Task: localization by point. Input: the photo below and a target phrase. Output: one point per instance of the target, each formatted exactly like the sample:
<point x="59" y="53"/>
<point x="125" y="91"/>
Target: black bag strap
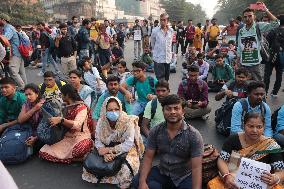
<point x="154" y="104"/>
<point x="258" y="32"/>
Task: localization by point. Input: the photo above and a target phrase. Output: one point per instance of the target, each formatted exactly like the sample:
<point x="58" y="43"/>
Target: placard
<point x="137" y="36"/>
<point x="249" y="173"/>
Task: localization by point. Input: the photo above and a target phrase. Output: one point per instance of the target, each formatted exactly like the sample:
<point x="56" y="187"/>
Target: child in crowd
<point x="235" y="88"/>
<point x="92" y="76"/>
<point x="147" y="59"/>
<point x="122" y="71"/>
<point x="117" y="53"/>
<point x="221" y="74"/>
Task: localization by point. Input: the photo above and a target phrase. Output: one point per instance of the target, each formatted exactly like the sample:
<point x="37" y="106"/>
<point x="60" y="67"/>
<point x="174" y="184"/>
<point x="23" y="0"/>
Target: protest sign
<point x="249" y="174"/>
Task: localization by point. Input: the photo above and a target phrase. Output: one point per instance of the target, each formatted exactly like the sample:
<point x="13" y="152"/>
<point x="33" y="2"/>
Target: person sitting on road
<point x="10" y="104"/>
<point x="91" y="76"/>
<point x="203" y="67"/>
<point x="117" y="53"/>
<point x="87" y="94"/>
<point x="279" y="129"/>
<point x="77" y="141"/>
<point x="153" y="113"/>
<point x="143" y="85"/>
<point x="221" y="73"/>
<point x="112" y="90"/>
<point x="235" y="88"/>
<point x="180" y="159"/>
<point x="246" y="144"/>
<point x="51" y="86"/>
<point x="147" y="58"/>
<point x="190" y="55"/>
<point x="195" y="92"/>
<point x="117" y="133"/>
<point x="122" y="71"/>
<point x="253" y="103"/>
<point x="31" y="115"/>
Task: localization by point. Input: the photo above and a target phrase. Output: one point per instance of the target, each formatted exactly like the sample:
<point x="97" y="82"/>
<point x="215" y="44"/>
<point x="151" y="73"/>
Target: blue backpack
<point x="13" y="148"/>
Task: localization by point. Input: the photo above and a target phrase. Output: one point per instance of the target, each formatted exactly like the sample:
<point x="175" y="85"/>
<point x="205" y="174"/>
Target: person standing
<point x="84" y="39"/>
<point x="231" y="29"/>
<point x="212" y="34"/>
<point x="47" y="47"/>
<point x="198" y="38"/>
<point x="205" y="28"/>
<point x="189" y="35"/>
<point x="249" y="46"/>
<point x="120" y="35"/>
<point x="161" y="41"/>
<point x="145" y="34"/>
<point x="67" y="49"/>
<point x="179" y="148"/>
<point x="137" y="36"/>
<point x="74" y="28"/>
<point x="276" y="39"/>
<point x="180" y="37"/>
<point x="16" y="64"/>
<point x="109" y="30"/>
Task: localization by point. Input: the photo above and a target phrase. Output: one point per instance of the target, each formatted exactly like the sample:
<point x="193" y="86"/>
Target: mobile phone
<point x="257" y="6"/>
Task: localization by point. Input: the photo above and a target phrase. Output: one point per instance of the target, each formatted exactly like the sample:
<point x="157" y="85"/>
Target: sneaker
<point x="40" y="74"/>
<point x="205" y="117"/>
<point x="273" y="95"/>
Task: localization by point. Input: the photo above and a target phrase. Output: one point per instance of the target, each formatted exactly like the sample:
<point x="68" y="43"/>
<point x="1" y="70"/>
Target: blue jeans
<point x="138" y="108"/>
<point x="84" y="52"/>
<point x="156" y="180"/>
<point x="279" y="139"/>
<point x="47" y="58"/>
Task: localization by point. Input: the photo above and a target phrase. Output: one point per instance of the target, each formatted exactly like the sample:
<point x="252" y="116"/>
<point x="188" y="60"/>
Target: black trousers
<point x="162" y="70"/>
<point x="181" y="43"/>
<point x="187" y="42"/>
<point x="268" y="72"/>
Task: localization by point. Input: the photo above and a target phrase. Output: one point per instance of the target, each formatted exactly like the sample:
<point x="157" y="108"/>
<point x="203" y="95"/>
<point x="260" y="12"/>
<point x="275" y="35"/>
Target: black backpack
<point x="274" y="117"/>
<point x="154" y="104"/>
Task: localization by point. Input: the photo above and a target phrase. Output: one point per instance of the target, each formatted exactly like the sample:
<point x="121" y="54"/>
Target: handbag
<point x="209" y="163"/>
<point x="95" y="164"/>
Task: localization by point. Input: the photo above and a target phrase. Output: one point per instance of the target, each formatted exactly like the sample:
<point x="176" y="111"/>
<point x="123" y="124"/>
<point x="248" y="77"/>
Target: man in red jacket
<point x="189" y="34"/>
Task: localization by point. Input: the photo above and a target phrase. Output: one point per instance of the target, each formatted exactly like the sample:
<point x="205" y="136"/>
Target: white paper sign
<point x="137" y="35"/>
<point x="249" y="173"/>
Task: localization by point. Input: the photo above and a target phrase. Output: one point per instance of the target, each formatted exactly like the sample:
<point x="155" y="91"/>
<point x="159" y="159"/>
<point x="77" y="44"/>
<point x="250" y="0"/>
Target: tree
<point x="129" y="7"/>
<point x="182" y="10"/>
<point x="23" y="11"/>
<point x="231" y="9"/>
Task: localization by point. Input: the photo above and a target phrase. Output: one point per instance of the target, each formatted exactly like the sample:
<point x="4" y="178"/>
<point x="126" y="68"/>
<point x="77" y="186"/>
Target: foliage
<point x="182" y="10"/>
<point x="129" y="7"/>
<point x="23" y="11"/>
<point x="231" y="8"/>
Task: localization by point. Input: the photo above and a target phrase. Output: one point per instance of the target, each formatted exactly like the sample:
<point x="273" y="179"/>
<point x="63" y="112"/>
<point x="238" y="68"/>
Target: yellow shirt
<point x="214" y="32"/>
<point x="52" y="92"/>
<point x="94" y="32"/>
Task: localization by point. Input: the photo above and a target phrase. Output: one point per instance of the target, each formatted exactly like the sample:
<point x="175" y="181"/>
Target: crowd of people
<point x="92" y="109"/>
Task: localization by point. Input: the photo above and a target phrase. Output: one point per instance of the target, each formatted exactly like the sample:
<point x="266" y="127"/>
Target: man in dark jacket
<point x="84" y="39"/>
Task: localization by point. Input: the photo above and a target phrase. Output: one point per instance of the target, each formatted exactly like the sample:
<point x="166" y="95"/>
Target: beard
<point x="173" y="121"/>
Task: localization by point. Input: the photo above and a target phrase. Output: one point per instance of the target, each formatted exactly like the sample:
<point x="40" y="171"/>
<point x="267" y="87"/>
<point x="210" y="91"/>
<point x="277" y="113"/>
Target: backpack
<point x="47" y="134"/>
<point x="25" y="47"/>
<point x="154" y="104"/>
<point x="43" y="86"/>
<point x="223" y="117"/>
<point x="185" y="86"/>
<point x="209" y="163"/>
<point x="274" y="117"/>
<point x="13" y="148"/>
<point x="265" y="51"/>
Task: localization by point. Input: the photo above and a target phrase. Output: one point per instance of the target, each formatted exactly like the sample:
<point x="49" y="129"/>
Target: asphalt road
<point x="39" y="174"/>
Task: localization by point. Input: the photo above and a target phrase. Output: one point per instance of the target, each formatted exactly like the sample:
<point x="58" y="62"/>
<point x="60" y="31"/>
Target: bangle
<point x="225" y="175"/>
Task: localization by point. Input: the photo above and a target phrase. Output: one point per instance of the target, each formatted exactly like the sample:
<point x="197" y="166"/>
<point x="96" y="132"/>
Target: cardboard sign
<point x="249" y="174"/>
<point x="137" y="35"/>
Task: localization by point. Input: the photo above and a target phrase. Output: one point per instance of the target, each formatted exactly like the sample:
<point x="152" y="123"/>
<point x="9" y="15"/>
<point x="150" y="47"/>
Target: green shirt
<point x="10" y="109"/>
<point x="142" y="88"/>
<point x="249" y="44"/>
<point x="224" y="72"/>
<point x="158" y="117"/>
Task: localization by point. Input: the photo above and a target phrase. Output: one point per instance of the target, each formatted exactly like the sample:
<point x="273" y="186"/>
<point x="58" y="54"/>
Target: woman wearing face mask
<point x="117" y="133"/>
<point x="77" y="141"/>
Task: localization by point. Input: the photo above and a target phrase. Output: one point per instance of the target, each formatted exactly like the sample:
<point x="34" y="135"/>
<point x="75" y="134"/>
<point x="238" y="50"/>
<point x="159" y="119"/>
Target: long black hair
<point x="35" y="89"/>
<point x="72" y="93"/>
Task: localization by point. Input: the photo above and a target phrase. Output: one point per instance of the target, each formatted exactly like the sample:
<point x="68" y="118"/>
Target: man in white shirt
<point x="161" y="41"/>
<point x="109" y="30"/>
